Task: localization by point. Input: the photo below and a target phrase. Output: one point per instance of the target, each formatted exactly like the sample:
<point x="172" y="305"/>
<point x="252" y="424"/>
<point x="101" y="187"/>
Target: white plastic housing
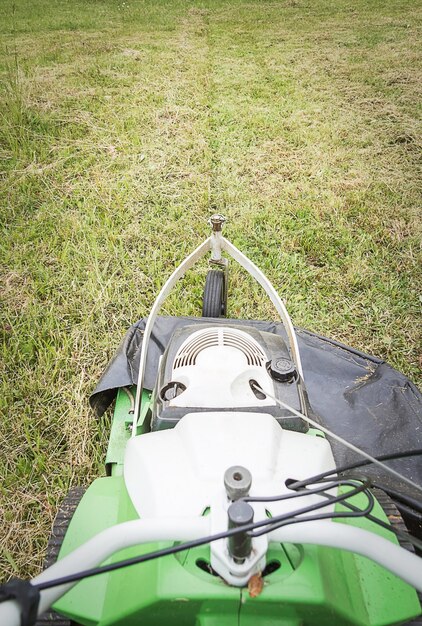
<point x="216" y="365"/>
<point x="180" y="472"/>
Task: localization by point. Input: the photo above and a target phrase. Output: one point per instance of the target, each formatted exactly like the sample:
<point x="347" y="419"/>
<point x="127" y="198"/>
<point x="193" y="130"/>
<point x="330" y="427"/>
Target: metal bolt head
<point x="240" y="513"/>
<point x="240" y="545"/>
<point x="217" y="221"/>
<point x="237" y="481"/>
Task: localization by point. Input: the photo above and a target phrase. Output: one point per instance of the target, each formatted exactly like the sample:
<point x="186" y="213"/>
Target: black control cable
<point x="350" y="466"/>
<point x="71" y="578"/>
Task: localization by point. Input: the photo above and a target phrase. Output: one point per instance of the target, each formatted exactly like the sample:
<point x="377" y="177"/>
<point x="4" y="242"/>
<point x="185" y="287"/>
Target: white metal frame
<point x="399" y="561"/>
<point x="216" y="244"/>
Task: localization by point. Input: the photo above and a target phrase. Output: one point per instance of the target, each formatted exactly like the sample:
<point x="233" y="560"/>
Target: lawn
<point x="123" y="126"/>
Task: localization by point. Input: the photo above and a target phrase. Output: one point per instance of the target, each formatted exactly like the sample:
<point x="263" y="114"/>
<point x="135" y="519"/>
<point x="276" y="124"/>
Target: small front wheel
<point x="214" y="302"/>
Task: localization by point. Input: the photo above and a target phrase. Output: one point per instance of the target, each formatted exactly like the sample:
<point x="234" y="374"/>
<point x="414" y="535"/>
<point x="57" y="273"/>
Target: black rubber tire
<point x="396" y="521"/>
<point x="213" y="302"/>
<point x="60" y="526"/>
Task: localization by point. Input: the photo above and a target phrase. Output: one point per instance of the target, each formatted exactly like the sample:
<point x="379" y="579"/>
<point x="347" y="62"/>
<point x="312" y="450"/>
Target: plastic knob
<point x="282" y="369"/>
<point x="237" y="481"/>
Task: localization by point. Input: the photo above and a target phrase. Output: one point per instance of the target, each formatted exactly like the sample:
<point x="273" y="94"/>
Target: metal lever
<point x="240" y="545"/>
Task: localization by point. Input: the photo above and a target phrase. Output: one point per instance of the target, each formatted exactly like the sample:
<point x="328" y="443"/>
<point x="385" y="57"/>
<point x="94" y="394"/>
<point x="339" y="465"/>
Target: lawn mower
<point x="256" y="474"/>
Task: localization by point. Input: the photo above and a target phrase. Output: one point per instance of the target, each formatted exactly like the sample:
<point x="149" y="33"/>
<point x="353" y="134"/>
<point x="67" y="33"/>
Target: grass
<point x="123" y="126"/>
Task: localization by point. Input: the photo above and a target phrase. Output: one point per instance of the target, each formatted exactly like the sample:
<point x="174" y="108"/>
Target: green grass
<point x="123" y="126"/>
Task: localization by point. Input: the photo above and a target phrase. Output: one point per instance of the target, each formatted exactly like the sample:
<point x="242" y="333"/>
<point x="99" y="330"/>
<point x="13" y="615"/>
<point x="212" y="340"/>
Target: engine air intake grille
<point x="211" y="337"/>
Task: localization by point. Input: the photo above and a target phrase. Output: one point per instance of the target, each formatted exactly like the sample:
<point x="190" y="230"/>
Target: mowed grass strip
<point x="123" y="126"/>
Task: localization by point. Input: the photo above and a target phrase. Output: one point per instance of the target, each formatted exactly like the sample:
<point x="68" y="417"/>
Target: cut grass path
<point x="123" y="126"/>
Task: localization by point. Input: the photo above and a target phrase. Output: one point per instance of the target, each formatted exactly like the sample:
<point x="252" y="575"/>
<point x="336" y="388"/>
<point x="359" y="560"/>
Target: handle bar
<point x="399" y="561"/>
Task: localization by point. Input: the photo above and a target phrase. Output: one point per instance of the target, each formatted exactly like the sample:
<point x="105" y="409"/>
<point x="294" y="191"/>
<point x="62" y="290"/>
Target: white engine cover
<point x="179" y="472"/>
<point x="216" y="365"/>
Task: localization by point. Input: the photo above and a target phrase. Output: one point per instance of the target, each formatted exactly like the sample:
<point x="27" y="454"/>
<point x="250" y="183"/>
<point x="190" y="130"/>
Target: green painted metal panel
<point x="313" y="585"/>
<point x="121" y="428"/>
<point x="388" y="599"/>
<point x="153" y="591"/>
<point x="105" y="504"/>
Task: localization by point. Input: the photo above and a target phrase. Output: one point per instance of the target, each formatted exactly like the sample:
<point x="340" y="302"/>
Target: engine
<point x="227" y="368"/>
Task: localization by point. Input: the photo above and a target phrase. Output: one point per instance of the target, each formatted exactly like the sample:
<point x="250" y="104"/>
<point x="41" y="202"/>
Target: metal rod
<point x="168" y="286"/>
<point x="256" y="273"/>
<point x="216" y="243"/>
<point x="330" y="433"/>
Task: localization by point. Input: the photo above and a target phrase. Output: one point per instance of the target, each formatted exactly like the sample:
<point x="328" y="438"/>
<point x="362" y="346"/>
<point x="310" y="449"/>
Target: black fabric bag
<point x="357" y="396"/>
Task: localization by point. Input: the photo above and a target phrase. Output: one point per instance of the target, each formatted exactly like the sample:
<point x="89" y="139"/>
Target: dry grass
<point x="123" y="126"/>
